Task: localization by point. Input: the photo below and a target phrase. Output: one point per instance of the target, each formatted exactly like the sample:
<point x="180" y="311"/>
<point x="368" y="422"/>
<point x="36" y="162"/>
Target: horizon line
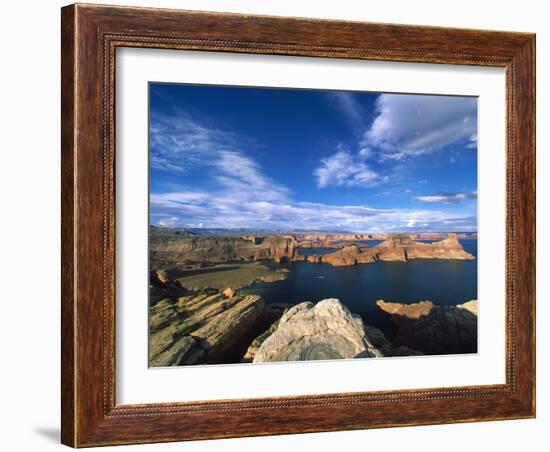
<point x="324" y="231"/>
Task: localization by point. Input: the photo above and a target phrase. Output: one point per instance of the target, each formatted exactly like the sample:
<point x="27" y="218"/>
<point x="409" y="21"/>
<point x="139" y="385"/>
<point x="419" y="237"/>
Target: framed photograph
<point x="281" y="225"/>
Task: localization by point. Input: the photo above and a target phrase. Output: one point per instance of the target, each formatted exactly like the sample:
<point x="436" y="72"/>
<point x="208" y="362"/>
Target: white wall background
<point x="29" y="262"/>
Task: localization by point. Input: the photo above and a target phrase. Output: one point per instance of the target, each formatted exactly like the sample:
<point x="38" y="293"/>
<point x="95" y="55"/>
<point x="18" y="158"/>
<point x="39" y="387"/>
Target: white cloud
<point x="473" y="142"/>
<point x="447" y="198"/>
<point x="409" y="125"/>
<point x="226" y="210"/>
<point x="349" y="105"/>
<point x="179" y="142"/>
<point x="365" y="152"/>
<point x="169" y="222"/>
<point x="344" y="169"/>
<point x="241" y="174"/>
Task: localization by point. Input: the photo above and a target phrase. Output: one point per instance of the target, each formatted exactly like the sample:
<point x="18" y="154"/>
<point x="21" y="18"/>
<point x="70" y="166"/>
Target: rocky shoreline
<point x="397" y="248"/>
<point x="285" y="248"/>
<point x="221" y="276"/>
<point x="213" y="327"/>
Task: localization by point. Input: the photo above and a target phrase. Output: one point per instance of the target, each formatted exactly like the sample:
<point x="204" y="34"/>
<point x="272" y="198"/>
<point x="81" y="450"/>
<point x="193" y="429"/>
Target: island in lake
<point x="210" y="303"/>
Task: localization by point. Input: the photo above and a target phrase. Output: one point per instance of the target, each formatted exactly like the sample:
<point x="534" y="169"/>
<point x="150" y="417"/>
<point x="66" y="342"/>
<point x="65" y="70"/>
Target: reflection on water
<point x="358" y="287"/>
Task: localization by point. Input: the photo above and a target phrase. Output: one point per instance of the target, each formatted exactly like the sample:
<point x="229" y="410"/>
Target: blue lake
<point x="358" y="287"/>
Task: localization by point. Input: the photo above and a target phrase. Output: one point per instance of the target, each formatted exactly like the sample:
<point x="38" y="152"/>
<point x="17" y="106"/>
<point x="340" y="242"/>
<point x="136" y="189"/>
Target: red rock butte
<point x="280" y="248"/>
<point x="396" y="248"/>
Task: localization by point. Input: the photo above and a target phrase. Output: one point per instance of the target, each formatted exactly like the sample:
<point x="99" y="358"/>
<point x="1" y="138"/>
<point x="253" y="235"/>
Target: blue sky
<point x="284" y="159"/>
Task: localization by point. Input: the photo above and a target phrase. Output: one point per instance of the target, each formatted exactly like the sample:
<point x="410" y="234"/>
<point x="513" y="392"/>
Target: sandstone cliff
<point x="402" y="248"/>
<point x="434" y="329"/>
<point x="222" y="248"/>
<point x="349" y="255"/>
<point x="397" y="248"/>
<point x="326" y="330"/>
<point x="279" y="248"/>
<point x="327" y="243"/>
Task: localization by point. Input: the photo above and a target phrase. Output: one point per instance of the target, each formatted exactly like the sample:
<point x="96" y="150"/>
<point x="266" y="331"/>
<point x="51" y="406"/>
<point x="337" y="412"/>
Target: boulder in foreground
<point x="326" y="330"/>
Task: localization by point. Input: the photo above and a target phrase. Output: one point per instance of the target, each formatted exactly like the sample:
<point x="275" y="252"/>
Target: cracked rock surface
<point x="326" y="330"/>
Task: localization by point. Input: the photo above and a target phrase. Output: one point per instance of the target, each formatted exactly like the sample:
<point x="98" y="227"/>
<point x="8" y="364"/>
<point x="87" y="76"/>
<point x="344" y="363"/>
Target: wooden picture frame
<point x="90" y="36"/>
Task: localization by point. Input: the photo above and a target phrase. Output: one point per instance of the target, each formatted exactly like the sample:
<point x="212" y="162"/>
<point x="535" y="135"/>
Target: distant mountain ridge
<point x="165" y="230"/>
<point x="168" y="232"/>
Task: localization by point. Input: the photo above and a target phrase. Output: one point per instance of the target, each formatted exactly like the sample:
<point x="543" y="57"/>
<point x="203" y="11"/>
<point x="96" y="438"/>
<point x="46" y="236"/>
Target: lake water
<point x="445" y="282"/>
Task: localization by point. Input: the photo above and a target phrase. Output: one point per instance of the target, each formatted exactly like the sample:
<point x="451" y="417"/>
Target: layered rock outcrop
<point x="397" y="248"/>
<point x="323" y="244"/>
<point x="326" y="330"/>
<point x="222" y="249"/>
<point x="400" y="247"/>
<point x="205" y="328"/>
<point x="434" y="329"/>
<point x="349" y="255"/>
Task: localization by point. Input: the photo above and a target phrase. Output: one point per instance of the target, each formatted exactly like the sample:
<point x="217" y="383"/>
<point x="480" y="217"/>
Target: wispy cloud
<point x="447" y="198"/>
<point x="349" y="105"/>
<point x="179" y="142"/>
<point x="241" y="175"/>
<point x="411" y="125"/>
<point x="345" y="169"/>
<point x="249" y="209"/>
